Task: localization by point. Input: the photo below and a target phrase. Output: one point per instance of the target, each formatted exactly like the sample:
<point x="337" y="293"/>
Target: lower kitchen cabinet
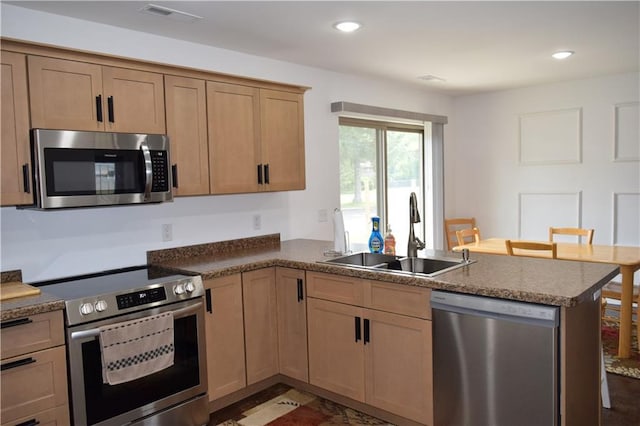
<point x="398" y="365"/>
<point x="34" y="371"/>
<point x="336" y="352"/>
<point x="261" y="324"/>
<point x="224" y="329"/>
<point x="380" y="357"/>
<point x="292" y="323"/>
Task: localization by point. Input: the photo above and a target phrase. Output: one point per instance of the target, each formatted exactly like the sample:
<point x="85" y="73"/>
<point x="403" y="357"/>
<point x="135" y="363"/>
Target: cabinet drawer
<point x="31" y="334"/>
<point x="32" y="383"/>
<point x="336" y="288"/>
<point x="58" y="416"/>
<point x="399" y="299"/>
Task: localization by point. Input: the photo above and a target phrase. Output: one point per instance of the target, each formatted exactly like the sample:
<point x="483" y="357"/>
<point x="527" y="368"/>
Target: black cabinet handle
<point x="25" y="178"/>
<point x="99" y="108"/>
<point x="31" y="422"/>
<point x="16" y="322"/>
<point x="300" y="290"/>
<point x="174" y="175"/>
<point x="358" y="332"/>
<point x="259" y="174"/>
<point x="18" y="363"/>
<point x="266" y="174"/>
<point x="112" y="118"/>
<point x="208" y="300"/>
<point x="366" y="331"/>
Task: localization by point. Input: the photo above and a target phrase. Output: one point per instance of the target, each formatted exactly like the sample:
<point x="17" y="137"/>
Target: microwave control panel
<point x="160" y="167"/>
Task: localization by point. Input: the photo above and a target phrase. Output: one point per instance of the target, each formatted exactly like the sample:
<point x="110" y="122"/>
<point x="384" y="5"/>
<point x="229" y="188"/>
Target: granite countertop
<point x="545" y="281"/>
<point x="25" y="306"/>
<point x="549" y="282"/>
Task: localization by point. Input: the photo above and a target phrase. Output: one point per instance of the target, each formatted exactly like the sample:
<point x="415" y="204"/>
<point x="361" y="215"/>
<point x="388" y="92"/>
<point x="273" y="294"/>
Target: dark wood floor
<point x="624" y="411"/>
<point x="625" y="402"/>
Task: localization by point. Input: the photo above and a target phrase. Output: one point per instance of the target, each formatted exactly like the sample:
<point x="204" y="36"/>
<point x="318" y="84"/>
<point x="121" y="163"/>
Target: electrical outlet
<point x="257" y="222"/>
<point x="167" y="232"/>
<point x="322" y="215"/>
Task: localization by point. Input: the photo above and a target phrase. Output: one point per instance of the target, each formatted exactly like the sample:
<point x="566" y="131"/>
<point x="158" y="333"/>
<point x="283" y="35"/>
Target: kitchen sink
<point x="421" y="265"/>
<point x="424" y="266"/>
<point x="365" y="259"/>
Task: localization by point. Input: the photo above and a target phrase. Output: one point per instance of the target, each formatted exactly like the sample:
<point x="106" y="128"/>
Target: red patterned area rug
<point x="297" y="408"/>
<point x="629" y="367"/>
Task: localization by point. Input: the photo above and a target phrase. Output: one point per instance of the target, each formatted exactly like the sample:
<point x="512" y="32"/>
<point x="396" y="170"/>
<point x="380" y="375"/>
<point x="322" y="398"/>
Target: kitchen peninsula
<point x="271" y="270"/>
<point x="277" y="312"/>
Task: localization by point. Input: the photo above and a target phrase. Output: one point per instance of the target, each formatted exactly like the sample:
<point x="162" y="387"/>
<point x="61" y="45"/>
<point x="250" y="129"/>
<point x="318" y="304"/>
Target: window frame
<point x="382" y="127"/>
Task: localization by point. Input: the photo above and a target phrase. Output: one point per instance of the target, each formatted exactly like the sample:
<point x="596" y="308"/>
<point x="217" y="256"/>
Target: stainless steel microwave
<point x="88" y="169"/>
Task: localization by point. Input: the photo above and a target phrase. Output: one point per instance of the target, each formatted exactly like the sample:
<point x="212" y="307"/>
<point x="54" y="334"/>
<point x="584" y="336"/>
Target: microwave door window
<point x="71" y="177"/>
<point x="93" y="172"/>
<point x="105" y="178"/>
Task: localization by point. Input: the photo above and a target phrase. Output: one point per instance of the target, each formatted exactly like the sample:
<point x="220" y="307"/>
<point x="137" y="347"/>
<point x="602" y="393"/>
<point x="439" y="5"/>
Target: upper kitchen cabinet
<point x="15" y="187"/>
<point x="73" y="95"/>
<point x="282" y="125"/>
<point x="234" y="137"/>
<point x="256" y="139"/>
<point x="186" y="105"/>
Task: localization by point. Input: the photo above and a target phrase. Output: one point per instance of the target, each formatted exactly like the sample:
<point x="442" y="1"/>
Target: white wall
<point x="487" y="180"/>
<point x="53" y="244"/>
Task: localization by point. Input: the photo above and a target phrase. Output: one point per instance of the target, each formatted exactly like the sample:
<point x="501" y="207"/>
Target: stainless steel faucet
<point x="414" y="217"/>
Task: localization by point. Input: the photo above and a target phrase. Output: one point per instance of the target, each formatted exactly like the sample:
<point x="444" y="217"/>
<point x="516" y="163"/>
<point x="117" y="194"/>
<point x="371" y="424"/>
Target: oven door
<point x="97" y="403"/>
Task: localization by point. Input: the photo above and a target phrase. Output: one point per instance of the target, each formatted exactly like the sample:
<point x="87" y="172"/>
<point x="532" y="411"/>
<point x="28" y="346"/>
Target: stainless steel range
<point x="127" y="299"/>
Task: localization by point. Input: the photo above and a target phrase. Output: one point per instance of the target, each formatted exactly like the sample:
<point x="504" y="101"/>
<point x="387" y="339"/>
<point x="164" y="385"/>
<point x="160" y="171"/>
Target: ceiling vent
<point x="430" y="77"/>
<point x="176" y="15"/>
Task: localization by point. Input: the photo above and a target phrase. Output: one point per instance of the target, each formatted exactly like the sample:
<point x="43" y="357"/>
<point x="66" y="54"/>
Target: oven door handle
<point x="94" y="332"/>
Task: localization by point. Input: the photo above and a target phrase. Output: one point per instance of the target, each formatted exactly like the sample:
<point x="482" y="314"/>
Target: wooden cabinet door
<point x="14" y="132"/>
<point x="398" y="363"/>
<point x="137" y="99"/>
<point x="292" y="323"/>
<point x="32" y="333"/>
<point x="234" y="137"/>
<point x="282" y="136"/>
<point x="260" y="324"/>
<point x="33" y="382"/>
<point x="186" y="106"/>
<point x="336" y="355"/>
<point x="224" y="329"/>
<point x="65" y="94"/>
<point x="58" y="416"/>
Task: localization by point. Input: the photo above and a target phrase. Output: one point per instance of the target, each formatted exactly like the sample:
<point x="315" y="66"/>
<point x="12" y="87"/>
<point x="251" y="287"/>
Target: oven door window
<point x="104" y="401"/>
<point x="93" y="171"/>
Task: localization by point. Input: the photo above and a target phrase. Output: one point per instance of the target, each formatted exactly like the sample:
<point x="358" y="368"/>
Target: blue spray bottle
<point x="376" y="243"/>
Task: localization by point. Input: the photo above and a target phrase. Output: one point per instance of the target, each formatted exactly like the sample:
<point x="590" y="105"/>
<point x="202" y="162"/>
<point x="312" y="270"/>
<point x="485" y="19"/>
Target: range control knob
<point x="179" y="289"/>
<point x="86" y="308"/>
<point x="189" y="286"/>
<point x="101" y="306"/>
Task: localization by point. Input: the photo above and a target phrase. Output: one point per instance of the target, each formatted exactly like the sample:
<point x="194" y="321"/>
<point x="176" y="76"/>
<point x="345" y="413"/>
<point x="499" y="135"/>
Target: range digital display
<point x="139" y="298"/>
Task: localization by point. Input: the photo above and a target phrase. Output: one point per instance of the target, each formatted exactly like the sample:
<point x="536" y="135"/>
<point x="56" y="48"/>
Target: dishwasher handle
<point x="499" y="309"/>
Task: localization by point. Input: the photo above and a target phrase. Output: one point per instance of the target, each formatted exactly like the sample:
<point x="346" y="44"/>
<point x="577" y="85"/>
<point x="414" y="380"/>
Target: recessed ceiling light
<point x="177" y="15"/>
<point x="347" y="26"/>
<point x="564" y="54"/>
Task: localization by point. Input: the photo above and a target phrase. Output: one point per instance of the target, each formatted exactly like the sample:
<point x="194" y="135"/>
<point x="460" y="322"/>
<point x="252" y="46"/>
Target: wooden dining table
<point x="627" y="258"/>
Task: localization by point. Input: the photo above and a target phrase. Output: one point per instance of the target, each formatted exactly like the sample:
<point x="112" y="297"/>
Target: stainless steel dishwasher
<point x="495" y="362"/>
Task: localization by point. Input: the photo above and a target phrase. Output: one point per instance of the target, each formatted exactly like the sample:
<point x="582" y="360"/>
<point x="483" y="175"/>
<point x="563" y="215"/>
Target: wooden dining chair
<point x="530" y="245"/>
<point x="581" y="233"/>
<point x="456" y="224"/>
<point x="468" y="235"/>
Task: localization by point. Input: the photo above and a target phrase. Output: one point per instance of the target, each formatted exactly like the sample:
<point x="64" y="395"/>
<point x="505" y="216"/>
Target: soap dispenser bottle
<point x="376" y="243"/>
<point x="389" y="242"/>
